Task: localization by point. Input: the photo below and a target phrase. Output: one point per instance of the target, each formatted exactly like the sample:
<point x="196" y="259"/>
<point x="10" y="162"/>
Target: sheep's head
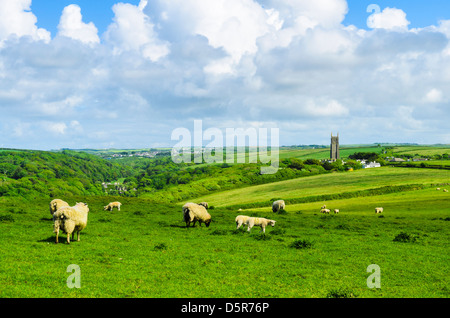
<point x="208" y="222"/>
<point x="272" y="222"/>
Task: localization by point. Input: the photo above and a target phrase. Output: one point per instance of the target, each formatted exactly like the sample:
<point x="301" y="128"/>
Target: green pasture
<point x="327" y="184"/>
<point x="144" y="250"/>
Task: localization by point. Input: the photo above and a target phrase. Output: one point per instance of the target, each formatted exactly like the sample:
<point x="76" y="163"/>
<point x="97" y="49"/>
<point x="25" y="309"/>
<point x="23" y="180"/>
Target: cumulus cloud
<point x="16" y="19"/>
<point x="72" y="26"/>
<point x="389" y="18"/>
<point x="132" y="30"/>
<point x="233" y="63"/>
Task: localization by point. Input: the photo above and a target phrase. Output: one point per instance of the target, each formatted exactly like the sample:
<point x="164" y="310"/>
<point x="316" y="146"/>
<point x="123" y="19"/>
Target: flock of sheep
<point x="73" y="219"/>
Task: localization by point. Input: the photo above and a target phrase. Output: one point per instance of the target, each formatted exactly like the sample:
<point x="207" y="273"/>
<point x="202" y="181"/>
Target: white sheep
<point x="241" y="220"/>
<point x="71" y="220"/>
<point x="327" y="211"/>
<point x="379" y="210"/>
<point x="56" y="204"/>
<point x="278" y="205"/>
<point x="323" y="206"/>
<point x="445" y="190"/>
<point x="193" y="212"/>
<point x="261" y="222"/>
<point x="336" y="211"/>
<point x="438" y="189"/>
<point x="205" y="204"/>
<point x="113" y="205"/>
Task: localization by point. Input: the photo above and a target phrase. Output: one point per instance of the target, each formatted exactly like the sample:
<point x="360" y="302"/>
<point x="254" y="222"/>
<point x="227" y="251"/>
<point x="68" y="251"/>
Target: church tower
<point x="334" y="149"/>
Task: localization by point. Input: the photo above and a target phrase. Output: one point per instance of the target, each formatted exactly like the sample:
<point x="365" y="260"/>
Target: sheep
<point x="71" y="220"/>
<point x="324" y="206"/>
<point x="193" y="212"/>
<point x="56" y="204"/>
<point x="241" y="220"/>
<point x="438" y="189"/>
<point x="113" y="205"/>
<point x="205" y="204"/>
<point x="445" y="190"/>
<point x="261" y="222"/>
<point x="327" y="211"/>
<point x="336" y="211"/>
<point x="378" y="210"/>
<point x="278" y="205"/>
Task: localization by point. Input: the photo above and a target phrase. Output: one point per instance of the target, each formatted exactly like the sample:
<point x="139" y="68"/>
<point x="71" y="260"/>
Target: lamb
<point x="205" y="204"/>
<point x="336" y="211"/>
<point x="113" y="205"/>
<point x="193" y="212"/>
<point x="241" y="220"/>
<point x="378" y="210"/>
<point x="278" y="205"/>
<point x="71" y="220"/>
<point x="261" y="222"/>
<point x="57" y="204"/>
<point x="327" y="211"/>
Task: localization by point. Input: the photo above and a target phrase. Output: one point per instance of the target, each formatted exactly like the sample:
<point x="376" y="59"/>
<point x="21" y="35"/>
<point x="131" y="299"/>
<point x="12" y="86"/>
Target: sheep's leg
<point x="78" y="236"/>
<point x="57" y="234"/>
<point x="68" y="238"/>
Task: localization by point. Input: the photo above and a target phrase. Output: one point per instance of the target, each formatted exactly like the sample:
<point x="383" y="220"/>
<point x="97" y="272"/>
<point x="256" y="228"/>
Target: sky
<point x="109" y="74"/>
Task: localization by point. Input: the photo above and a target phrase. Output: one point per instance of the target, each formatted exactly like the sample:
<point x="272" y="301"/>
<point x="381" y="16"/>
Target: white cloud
<point x="389" y="18"/>
<point x="58" y="128"/>
<point x="16" y="19"/>
<point x="133" y="30"/>
<point x="72" y="26"/>
<point x="162" y="64"/>
<point x="434" y="96"/>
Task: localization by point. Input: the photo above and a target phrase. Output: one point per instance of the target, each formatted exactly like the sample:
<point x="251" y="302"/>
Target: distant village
<point x="124" y="154"/>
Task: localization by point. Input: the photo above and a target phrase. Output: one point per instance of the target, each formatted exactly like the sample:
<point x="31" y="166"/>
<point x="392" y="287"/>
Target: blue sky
<point x="420" y="13"/>
<point x="101" y="74"/>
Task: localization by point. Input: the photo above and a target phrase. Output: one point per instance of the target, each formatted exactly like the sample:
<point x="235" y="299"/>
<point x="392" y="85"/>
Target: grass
<point x="327" y="184"/>
<point x="145" y="250"/>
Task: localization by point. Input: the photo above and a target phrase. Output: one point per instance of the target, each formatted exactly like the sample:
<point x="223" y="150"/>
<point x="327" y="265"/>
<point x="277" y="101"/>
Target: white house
<point x="371" y="165"/>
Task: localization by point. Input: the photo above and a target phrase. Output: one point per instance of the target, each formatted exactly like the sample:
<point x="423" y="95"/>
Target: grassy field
<point x="324" y="153"/>
<point x="327" y="184"/>
<point x="145" y="250"/>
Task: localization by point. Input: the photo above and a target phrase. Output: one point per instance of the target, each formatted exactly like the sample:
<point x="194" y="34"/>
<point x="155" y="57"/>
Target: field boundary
<point x="334" y="196"/>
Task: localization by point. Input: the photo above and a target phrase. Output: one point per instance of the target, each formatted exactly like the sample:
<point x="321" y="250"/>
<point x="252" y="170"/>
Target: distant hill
<point x="32" y="173"/>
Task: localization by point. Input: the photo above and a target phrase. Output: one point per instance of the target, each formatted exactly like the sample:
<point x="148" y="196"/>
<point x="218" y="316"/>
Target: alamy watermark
<point x="74" y="280"/>
<point x="242" y="145"/>
<point x="374" y="280"/>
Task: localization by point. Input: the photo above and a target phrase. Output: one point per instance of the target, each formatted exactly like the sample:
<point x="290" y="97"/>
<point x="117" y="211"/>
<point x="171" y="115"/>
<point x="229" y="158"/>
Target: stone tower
<point x="334" y="149"/>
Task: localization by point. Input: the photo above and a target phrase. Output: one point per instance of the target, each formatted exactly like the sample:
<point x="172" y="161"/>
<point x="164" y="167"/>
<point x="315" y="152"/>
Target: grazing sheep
<point x="261" y="222"/>
<point x="56" y="204"/>
<point x="438" y="189"/>
<point x="193" y="212"/>
<point x="71" y="220"/>
<point x="241" y="220"/>
<point x="445" y="190"/>
<point x="278" y="205"/>
<point x="378" y="210"/>
<point x="324" y="206"/>
<point x="327" y="211"/>
<point x="336" y="211"/>
<point x="205" y="204"/>
<point x="113" y="205"/>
